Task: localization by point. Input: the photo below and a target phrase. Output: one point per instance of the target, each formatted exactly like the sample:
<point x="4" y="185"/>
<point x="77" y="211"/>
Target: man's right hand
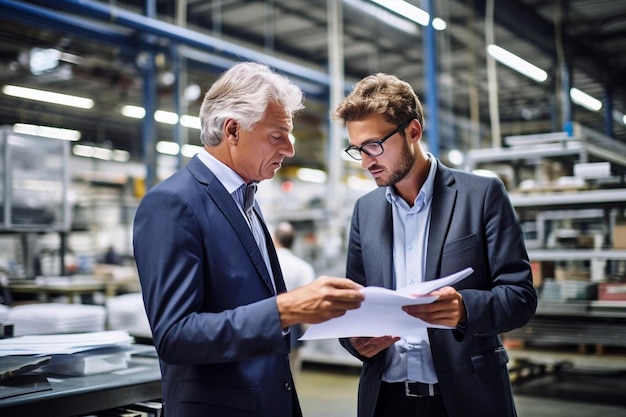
<point x="323" y="299"/>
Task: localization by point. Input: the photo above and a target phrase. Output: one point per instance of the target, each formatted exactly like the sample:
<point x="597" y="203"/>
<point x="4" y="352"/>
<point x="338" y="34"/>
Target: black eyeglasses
<point x="374" y="148"/>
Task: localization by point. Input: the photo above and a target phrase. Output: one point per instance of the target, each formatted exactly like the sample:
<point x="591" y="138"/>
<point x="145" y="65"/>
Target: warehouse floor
<point x="587" y="385"/>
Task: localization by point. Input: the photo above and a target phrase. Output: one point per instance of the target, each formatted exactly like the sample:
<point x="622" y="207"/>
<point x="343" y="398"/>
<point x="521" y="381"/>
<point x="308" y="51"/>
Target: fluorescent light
<point x="83" y="150"/>
<point x="311" y="175"/>
<point x="48" y="96"/>
<point x="411" y="12"/>
<point x="171" y="148"/>
<point x="167" y="147"/>
<point x="192" y="122"/>
<point x="485" y="173"/>
<point x="134" y="112"/>
<point x="518" y="64"/>
<point x="97" y="152"/>
<point x="92" y="152"/>
<point x="583" y="99"/>
<point x="384" y="16"/>
<point x="166" y="117"/>
<point x="47" y="131"/>
<point x="190" y="150"/>
<point x="161" y="116"/>
<point x="102" y="153"/>
<point x="120" y="155"/>
<point x="619" y="117"/>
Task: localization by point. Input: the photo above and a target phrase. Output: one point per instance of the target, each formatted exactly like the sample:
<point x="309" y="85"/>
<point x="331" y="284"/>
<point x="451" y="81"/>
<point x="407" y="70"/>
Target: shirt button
<point x="410" y="246"/>
<point x="287" y="386"/>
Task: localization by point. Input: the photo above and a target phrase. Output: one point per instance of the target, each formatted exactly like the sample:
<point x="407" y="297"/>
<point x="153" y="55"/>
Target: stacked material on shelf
<point x="74" y="354"/>
<point x="126" y="312"/>
<point x="51" y="318"/>
<point x="568" y="290"/>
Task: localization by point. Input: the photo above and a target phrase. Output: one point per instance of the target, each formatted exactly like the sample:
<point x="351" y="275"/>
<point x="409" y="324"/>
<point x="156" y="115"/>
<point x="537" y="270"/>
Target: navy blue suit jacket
<point x="210" y="302"/>
<point x="473" y="224"/>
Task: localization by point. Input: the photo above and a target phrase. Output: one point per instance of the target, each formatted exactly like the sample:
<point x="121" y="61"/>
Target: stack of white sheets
<point x="54" y="318"/>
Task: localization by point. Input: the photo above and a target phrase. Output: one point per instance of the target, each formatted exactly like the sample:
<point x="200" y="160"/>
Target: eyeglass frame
<point x="378" y="142"/>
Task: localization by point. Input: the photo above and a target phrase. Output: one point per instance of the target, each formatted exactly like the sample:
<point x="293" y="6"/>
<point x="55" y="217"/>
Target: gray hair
<point x="243" y="93"/>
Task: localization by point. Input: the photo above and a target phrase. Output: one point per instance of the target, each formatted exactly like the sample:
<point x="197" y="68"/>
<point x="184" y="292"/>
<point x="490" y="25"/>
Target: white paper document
<point x="381" y="312"/>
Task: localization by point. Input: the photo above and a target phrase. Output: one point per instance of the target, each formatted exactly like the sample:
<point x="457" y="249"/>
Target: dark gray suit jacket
<point x="210" y="302"/>
<point x="473" y="224"/>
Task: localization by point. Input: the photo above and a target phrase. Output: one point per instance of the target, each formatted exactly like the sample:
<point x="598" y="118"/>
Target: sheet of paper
<point x="381" y="312"/>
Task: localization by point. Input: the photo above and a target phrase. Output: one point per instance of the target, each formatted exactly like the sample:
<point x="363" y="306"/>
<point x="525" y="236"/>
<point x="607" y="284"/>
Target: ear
<point x="415" y="131"/>
<point x="231" y="131"/>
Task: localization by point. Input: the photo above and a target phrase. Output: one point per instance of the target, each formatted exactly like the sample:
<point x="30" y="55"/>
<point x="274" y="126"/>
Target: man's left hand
<point x="447" y="310"/>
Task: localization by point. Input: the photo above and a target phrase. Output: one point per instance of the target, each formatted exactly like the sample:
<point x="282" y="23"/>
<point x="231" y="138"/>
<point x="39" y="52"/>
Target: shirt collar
<point x="229" y="178"/>
<point x="426" y="192"/>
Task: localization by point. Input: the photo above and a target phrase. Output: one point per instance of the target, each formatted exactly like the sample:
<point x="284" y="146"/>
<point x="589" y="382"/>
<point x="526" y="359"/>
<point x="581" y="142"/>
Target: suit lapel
<point x="444" y="199"/>
<point x="225" y="203"/>
<point x="378" y="236"/>
<point x="271" y="251"/>
<point x="386" y="238"/>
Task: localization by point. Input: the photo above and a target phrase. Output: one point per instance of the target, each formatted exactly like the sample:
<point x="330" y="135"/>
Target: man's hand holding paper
<point x="387" y="312"/>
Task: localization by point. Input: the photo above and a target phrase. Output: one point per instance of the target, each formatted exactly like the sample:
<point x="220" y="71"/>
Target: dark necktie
<point x="248" y="198"/>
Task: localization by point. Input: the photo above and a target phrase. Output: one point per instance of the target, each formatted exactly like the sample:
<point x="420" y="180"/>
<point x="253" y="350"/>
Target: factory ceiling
<point x="100" y="50"/>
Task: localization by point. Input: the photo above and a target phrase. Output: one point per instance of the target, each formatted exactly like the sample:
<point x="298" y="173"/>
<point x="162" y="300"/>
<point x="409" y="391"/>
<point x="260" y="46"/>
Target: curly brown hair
<point x="380" y="94"/>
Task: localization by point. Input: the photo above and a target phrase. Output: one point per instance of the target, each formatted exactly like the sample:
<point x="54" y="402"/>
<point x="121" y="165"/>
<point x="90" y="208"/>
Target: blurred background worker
<point x="296" y="272"/>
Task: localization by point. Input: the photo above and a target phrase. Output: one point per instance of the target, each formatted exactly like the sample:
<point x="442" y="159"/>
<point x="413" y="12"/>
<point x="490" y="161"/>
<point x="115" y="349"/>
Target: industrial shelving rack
<point x="589" y="205"/>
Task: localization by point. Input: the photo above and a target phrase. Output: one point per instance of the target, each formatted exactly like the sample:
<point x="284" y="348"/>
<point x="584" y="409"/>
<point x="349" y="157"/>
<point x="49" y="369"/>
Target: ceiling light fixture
<point x="190" y="150"/>
<point x="166" y="117"/>
<point x="583" y="99"/>
<point x="48" y="97"/>
<point x="161" y="116"/>
<point x="311" y="175"/>
<point x="134" y="112"/>
<point x="192" y="122"/>
<point x="518" y="64"/>
<point x="167" y="147"/>
<point x="47" y="131"/>
<point x="411" y="12"/>
<point x="384" y="16"/>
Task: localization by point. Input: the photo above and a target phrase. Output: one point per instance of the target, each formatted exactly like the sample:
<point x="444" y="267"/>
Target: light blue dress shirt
<point x="410" y="359"/>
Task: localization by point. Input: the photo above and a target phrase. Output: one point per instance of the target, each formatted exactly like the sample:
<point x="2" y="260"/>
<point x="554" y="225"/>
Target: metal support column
<point x="566" y="100"/>
<point x="432" y="94"/>
<point x="147" y="62"/>
<point x="608" y="113"/>
<point x="334" y="200"/>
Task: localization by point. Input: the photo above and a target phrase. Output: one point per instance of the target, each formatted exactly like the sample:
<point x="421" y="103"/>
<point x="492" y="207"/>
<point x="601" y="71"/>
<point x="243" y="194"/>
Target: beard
<point x="405" y="165"/>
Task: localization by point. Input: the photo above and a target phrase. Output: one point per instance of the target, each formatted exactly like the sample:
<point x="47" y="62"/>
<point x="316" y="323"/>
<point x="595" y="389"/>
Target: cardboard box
<point x="541" y="271"/>
<point x="619" y="236"/>
<point x="612" y="291"/>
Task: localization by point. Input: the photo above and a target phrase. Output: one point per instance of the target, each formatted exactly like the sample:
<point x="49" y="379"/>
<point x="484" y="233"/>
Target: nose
<point x="366" y="160"/>
<point x="288" y="150"/>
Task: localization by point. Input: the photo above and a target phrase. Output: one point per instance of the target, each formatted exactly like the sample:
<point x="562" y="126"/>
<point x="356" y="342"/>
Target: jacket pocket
<point x="491" y="360"/>
<point x="459" y="244"/>
<point x="229" y="397"/>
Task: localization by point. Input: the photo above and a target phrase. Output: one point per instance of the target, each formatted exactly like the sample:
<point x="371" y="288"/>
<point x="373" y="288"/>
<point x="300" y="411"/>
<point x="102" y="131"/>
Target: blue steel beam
<point x="130" y="41"/>
<point x="53" y="20"/>
<point x="184" y="36"/>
